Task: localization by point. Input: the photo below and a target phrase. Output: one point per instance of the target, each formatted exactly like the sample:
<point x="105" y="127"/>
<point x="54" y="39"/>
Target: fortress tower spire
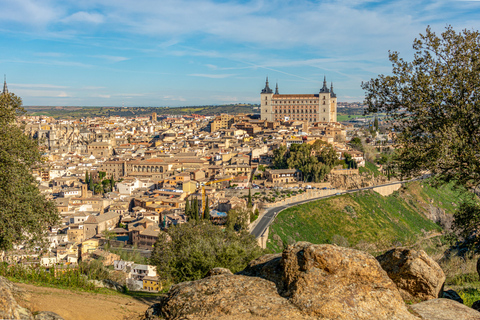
<point x="332" y="94"/>
<point x="267" y="88"/>
<point x="324" y="88"/>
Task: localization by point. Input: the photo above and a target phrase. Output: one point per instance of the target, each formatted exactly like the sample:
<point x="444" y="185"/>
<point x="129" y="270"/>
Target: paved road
<point x="271" y="213"/>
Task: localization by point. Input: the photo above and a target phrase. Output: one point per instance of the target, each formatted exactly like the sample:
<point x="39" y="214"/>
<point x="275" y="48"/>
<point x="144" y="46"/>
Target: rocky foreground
<point x="324" y="281"/>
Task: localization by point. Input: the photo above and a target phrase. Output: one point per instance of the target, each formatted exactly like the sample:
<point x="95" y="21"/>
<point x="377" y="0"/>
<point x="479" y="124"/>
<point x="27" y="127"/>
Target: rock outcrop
<point x="306" y="282"/>
<point x="417" y="276"/>
<point x="355" y="181"/>
<point x="444" y="309"/>
<point x="10" y="309"/>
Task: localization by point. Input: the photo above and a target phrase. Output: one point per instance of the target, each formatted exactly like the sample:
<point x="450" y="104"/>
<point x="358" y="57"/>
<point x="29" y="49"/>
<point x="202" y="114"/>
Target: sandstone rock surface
<point x="444" y="309"/>
<point x="218" y="271"/>
<point x="305" y="282"/>
<point x="417" y="276"/>
<point x="9" y="308"/>
<point x="47" y="315"/>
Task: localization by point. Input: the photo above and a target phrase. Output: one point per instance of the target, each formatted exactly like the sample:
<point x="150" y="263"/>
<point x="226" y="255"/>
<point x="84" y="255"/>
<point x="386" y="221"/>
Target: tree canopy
<point x="314" y="160"/>
<point x="188" y="251"/>
<point x="433" y="104"/>
<point x="25" y="214"/>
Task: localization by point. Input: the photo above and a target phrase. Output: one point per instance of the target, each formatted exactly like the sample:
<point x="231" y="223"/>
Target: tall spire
<point x="5" y="89"/>
<point x="276" y="89"/>
<point x="267" y="88"/>
<point x="332" y="94"/>
<point x="324" y="88"/>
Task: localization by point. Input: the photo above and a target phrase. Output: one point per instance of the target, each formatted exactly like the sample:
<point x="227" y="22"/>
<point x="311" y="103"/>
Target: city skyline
<point x="180" y="53"/>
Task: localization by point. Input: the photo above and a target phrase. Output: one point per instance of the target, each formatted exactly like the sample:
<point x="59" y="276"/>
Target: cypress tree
<point x="112" y="183"/>
<point x="195" y="208"/>
<point x="249" y="204"/>
<point x="90" y="184"/>
<point x="86" y="177"/>
<point x="206" y="213"/>
<point x="187" y="208"/>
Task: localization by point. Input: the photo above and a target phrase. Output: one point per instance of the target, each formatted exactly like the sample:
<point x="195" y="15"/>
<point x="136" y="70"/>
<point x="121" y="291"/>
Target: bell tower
<point x="266" y="108"/>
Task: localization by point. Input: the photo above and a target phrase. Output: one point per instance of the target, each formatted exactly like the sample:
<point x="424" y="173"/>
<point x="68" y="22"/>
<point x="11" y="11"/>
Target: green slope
<point x="364" y="220"/>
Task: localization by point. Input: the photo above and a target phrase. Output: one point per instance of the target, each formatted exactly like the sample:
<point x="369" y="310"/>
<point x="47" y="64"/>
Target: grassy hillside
<point x="364" y="220"/>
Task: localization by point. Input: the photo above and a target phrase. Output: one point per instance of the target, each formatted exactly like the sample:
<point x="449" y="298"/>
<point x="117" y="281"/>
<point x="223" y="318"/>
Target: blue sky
<point x="183" y="52"/>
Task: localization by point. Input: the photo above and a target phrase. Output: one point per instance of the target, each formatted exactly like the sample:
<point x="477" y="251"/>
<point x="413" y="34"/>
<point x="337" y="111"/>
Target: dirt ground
<point x="78" y="305"/>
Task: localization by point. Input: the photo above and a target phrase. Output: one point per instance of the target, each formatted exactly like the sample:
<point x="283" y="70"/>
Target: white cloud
<point x="110" y="58"/>
<point x="83" y="16"/>
<point x="174" y="98"/>
<point x="36" y="85"/>
<point x="212" y="76"/>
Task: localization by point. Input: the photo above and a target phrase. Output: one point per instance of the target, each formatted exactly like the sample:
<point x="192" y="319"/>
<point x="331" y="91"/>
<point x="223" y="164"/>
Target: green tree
<point x="279" y="160"/>
<point x="433" y="104"/>
<point x="112" y="183"/>
<point x="375" y="123"/>
<point x="90" y="184"/>
<point x="188" y="251"/>
<point x="238" y="219"/>
<point x="356" y="143"/>
<point x="25" y="214"/>
<point x="206" y="213"/>
<point x="249" y="202"/>
<point x="86" y="177"/>
<point x="187" y="208"/>
<point x="195" y="209"/>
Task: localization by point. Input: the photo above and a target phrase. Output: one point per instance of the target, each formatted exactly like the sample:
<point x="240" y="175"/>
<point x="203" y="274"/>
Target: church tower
<point x="266" y="109"/>
<point x="5" y="89"/>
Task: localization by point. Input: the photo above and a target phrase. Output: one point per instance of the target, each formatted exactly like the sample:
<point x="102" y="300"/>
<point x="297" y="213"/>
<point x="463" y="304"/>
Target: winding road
<point x="271" y="213"/>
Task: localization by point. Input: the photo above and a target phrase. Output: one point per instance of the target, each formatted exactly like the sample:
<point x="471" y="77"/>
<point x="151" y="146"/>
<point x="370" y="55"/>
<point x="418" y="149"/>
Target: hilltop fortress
<point x="321" y="107"/>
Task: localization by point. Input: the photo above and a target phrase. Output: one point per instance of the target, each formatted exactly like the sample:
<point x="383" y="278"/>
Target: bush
<point x="188" y="251"/>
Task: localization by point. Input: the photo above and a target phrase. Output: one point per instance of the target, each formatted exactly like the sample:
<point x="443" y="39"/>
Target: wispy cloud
<point x="36" y="85"/>
<point x="84" y="17"/>
<point x="212" y="76"/>
<point x="110" y="58"/>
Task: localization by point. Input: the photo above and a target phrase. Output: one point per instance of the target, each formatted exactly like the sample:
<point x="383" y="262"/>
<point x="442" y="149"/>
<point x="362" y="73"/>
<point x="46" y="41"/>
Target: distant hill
<point x="84" y="112"/>
<point x="365" y="220"/>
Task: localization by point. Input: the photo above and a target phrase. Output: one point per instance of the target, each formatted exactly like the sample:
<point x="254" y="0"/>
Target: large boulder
<point x="226" y="297"/>
<point x="305" y="282"/>
<point x="332" y="282"/>
<point x="9" y="308"/>
<point x="444" y="309"/>
<point x="417" y="276"/>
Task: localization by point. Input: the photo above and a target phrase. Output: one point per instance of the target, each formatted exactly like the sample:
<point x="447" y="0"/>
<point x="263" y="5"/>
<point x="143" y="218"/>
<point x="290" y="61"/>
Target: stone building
<point x="321" y="107"/>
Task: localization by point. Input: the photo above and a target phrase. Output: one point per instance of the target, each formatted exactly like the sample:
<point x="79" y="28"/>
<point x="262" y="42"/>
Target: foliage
<point x="466" y="221"/>
<point x="206" y="213"/>
<point x="350" y="162"/>
<point x="238" y="219"/>
<point x="356" y="143"/>
<point x="315" y="161"/>
<point x="71" y="278"/>
<point x="25" y="214"/>
<point x="249" y="201"/>
<point x="188" y="251"/>
<point x="433" y="105"/>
